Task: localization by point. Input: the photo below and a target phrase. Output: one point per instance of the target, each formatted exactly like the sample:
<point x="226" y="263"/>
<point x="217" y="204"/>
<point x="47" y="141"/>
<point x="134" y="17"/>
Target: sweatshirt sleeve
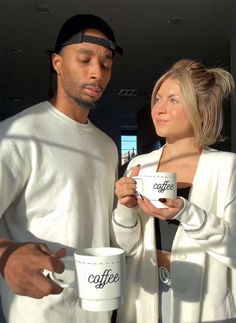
<point x="216" y="233"/>
<point x="12" y="175"/>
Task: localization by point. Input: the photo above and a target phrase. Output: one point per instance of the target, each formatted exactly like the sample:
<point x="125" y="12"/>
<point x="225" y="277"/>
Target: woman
<point x="181" y="264"/>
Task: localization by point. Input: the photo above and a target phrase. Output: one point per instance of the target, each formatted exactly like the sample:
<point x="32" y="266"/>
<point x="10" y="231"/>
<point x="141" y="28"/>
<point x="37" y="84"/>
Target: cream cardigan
<point x="203" y="258"/>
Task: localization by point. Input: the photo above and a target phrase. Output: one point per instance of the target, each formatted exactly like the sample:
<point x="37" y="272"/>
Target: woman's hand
<point x="174" y="207"/>
<point x="125" y="189"/>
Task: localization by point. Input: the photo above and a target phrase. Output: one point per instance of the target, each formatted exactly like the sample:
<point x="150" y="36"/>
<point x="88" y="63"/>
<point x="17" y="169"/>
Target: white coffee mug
<point x="157" y="185"/>
<point x="100" y="277"/>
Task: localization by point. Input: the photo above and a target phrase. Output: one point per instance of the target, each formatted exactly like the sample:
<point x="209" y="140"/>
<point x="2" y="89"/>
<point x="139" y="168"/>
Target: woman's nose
<point x="159" y="107"/>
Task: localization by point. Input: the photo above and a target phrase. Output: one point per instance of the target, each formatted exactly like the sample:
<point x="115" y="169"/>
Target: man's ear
<point x="56" y="62"/>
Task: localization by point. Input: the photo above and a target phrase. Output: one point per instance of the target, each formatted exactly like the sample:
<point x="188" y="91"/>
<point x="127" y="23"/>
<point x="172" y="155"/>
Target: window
<point x="128" y="146"/>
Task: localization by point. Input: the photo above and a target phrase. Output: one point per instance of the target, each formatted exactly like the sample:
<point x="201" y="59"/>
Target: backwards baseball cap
<point x="73" y="32"/>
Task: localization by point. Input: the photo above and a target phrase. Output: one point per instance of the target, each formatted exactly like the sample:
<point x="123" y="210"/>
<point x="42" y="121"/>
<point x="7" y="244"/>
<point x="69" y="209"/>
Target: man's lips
<point x="93" y="91"/>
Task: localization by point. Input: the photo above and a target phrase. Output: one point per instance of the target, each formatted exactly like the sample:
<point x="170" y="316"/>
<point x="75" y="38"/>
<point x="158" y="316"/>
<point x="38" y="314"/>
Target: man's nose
<point x="96" y="71"/>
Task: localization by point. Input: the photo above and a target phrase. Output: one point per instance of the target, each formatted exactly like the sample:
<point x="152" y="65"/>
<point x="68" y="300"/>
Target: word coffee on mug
<point x="100" y="274"/>
<point x="157" y="185"/>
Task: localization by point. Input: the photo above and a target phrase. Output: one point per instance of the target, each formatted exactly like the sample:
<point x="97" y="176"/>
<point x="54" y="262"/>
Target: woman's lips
<point x="161" y="122"/>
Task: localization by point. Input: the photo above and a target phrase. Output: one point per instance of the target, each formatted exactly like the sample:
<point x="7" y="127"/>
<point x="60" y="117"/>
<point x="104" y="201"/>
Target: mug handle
<point x="60" y="282"/>
<point x="139" y="184"/>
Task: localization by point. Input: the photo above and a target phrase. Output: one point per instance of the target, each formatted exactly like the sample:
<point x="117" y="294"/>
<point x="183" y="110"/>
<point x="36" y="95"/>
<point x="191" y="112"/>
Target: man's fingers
<point x="40" y="257"/>
<point x="60" y="253"/>
<point x="47" y="286"/>
<point x="24" y="265"/>
<point x="53" y="264"/>
<point x="44" y="248"/>
<point x="38" y="287"/>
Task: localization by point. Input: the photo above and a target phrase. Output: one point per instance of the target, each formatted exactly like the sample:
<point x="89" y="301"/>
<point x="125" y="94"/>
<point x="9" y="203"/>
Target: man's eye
<point x="84" y="59"/>
<point x="106" y="66"/>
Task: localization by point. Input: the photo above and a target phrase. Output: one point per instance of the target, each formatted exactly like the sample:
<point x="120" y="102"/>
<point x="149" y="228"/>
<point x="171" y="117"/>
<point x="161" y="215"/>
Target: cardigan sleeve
<point x="125" y="224"/>
<point x="126" y="228"/>
<point x="214" y="232"/>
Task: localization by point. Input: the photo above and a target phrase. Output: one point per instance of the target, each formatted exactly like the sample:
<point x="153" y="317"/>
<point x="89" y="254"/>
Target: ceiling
<point x="153" y="34"/>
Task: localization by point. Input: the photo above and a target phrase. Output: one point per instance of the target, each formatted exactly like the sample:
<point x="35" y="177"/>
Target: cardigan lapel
<point x="187" y="258"/>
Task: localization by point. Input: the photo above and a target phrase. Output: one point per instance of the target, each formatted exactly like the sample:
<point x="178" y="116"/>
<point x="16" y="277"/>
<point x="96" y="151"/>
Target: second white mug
<point x="100" y="277"/>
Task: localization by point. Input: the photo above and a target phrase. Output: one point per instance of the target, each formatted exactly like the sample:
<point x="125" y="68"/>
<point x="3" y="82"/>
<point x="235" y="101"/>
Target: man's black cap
<point x="72" y="32"/>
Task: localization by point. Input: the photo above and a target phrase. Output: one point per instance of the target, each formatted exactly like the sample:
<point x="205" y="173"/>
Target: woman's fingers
<point x="174" y="206"/>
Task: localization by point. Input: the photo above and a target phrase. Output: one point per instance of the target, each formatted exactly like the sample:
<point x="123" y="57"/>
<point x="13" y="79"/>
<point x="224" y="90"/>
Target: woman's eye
<point x="173" y="100"/>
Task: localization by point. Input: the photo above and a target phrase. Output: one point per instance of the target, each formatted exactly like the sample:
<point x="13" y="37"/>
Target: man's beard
<point x="85" y="104"/>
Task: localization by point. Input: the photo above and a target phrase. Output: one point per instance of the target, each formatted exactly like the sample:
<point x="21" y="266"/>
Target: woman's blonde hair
<point x="204" y="90"/>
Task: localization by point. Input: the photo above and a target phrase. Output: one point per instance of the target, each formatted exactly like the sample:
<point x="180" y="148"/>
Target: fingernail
<point x="163" y="200"/>
<point x="138" y="165"/>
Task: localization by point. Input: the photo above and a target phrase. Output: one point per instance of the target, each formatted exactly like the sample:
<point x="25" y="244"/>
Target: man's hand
<point x="125" y="189"/>
<point x="22" y="265"/>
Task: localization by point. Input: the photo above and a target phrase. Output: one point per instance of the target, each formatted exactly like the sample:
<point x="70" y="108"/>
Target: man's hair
<point x="204" y="90"/>
<point x="72" y="30"/>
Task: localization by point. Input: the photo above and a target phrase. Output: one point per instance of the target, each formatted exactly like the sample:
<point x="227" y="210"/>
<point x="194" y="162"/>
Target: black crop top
<point x="166" y="229"/>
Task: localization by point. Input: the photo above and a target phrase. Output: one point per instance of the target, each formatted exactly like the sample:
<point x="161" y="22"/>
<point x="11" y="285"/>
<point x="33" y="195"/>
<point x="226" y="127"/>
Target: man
<point x="57" y="173"/>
